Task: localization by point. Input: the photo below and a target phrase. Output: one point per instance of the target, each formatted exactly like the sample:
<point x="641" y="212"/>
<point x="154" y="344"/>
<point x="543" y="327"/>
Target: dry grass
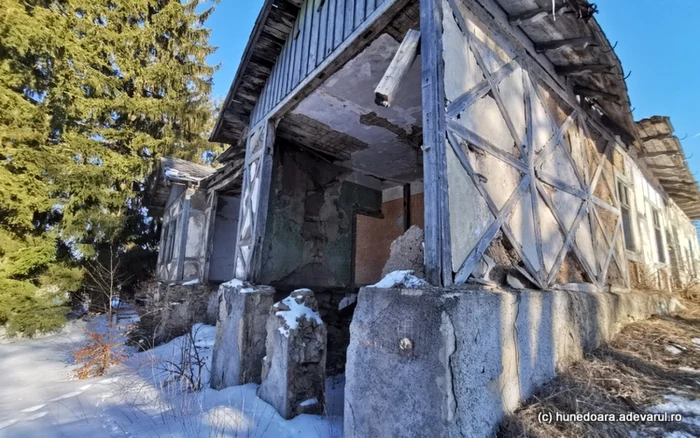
<point x="629" y="375"/>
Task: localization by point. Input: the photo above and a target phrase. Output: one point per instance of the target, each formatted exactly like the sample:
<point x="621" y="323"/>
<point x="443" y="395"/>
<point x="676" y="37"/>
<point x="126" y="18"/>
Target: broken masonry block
<point x="294" y="369"/>
<point x="240" y="333"/>
<point x="407" y="253"/>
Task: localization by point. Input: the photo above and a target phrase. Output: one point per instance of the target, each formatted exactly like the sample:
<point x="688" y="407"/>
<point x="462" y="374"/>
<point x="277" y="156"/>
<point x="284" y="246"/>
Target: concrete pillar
<point x="240" y="333"/>
<point x="294" y="370"/>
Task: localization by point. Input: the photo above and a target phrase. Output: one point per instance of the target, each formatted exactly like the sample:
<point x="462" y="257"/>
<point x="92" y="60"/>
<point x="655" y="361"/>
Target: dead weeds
<point x="647" y="360"/>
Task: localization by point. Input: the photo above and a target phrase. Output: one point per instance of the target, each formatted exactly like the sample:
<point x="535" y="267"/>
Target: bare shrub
<point x="188" y="368"/>
<point x="100" y="353"/>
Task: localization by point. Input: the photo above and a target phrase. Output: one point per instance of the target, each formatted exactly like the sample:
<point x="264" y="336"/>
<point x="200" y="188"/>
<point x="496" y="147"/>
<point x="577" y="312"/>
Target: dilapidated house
<point x="501" y="128"/>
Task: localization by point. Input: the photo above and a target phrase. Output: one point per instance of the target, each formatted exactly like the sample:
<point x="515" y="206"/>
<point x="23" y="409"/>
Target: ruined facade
<point x="504" y="132"/>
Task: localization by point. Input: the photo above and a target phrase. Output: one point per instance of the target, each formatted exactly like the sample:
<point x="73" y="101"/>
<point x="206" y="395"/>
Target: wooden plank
<point x="560" y="184"/>
<point x="349" y="18"/>
<point x="359" y="13"/>
<point x="530" y="151"/>
<point x="555" y="140"/>
<point x="477" y="141"/>
<point x="314" y="37"/>
<point x="306" y="35"/>
<point x="473" y="258"/>
<point x="480" y="90"/>
<point x="611" y="253"/>
<point x="296" y="49"/>
<point x="339" y="26"/>
<point x="330" y="27"/>
<point x="323" y="21"/>
<point x="398" y="69"/>
<point x="438" y="265"/>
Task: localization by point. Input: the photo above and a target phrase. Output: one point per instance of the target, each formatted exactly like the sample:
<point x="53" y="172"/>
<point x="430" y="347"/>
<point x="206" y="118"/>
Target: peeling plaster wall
<point x="375" y="235"/>
<point x="308" y="239"/>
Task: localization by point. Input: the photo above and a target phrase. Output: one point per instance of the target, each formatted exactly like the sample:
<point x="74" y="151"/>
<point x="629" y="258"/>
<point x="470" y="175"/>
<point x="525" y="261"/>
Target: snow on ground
<point x="41" y="397"/>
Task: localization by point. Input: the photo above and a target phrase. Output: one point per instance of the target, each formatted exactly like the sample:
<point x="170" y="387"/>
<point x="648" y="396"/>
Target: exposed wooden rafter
<point x="581" y="42"/>
<point x="590" y="92"/>
<point x="582" y="69"/>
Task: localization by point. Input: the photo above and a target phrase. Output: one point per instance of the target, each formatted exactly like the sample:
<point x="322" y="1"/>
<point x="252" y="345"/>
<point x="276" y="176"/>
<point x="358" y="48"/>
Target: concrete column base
<point x="240" y="334"/>
<point x="294" y="370"/>
<point x="444" y="363"/>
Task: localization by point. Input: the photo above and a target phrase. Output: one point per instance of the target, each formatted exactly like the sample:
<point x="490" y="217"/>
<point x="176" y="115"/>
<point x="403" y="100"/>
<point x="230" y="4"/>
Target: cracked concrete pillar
<point x="294" y="370"/>
<point x="240" y="333"/>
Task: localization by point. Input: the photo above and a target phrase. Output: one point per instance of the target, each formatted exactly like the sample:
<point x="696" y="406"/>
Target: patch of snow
<point x="296" y="311"/>
<point x="191" y="282"/>
<point x="172" y="173"/>
<point x="400" y="278"/>
<point x="673" y="350"/>
<point x="204" y="335"/>
<point x="234" y="282"/>
<point x="33" y="408"/>
<point x="347" y="301"/>
<point x="676" y="404"/>
<point x="247" y="290"/>
<point x="131" y="400"/>
<point x="309" y="402"/>
<point x="696" y="341"/>
<point x="689" y="370"/>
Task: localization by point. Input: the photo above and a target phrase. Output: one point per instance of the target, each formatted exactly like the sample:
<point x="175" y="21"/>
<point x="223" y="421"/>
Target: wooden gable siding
<point x="321" y="27"/>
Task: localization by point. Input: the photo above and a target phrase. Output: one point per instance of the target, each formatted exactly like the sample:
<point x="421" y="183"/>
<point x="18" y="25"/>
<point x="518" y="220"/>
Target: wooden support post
<point x="255" y="194"/>
<point x="438" y="257"/>
<point x="406" y="207"/>
<point x="385" y="92"/>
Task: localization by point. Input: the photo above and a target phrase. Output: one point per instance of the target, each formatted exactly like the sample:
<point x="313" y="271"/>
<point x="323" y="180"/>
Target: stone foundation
<point x="180" y="306"/>
<point x="443" y="363"/>
<point x="240" y="334"/>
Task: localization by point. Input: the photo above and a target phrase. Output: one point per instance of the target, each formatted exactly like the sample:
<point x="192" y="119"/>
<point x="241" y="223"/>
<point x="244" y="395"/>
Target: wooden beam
<point x="438" y="255"/>
<point x="578" y="70"/>
<point x="406" y="207"/>
<point x="535" y="15"/>
<point x="590" y="92"/>
<point x="398" y="69"/>
<point x="654" y="154"/>
<point x="582" y="42"/>
<point x="656" y="137"/>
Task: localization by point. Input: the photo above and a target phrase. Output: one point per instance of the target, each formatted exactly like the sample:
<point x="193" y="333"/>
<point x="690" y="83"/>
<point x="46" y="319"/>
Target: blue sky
<point x="659" y="42"/>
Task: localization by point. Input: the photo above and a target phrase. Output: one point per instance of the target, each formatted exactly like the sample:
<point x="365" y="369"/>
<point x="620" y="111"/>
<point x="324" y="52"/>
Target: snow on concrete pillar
<point x="294" y="370"/>
<point x="240" y="333"/>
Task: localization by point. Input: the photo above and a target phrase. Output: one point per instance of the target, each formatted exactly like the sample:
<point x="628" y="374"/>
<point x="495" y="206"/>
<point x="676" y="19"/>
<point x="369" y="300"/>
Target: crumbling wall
<point x="452" y="362"/>
<point x="308" y="240"/>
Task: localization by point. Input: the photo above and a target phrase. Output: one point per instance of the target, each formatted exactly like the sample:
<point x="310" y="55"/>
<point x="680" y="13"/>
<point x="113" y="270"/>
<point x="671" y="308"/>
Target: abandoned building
<point x="495" y="140"/>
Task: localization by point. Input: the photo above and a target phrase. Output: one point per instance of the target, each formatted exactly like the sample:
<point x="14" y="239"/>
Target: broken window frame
<point x="169" y="241"/>
<point x="658" y="234"/>
<point x="623" y="195"/>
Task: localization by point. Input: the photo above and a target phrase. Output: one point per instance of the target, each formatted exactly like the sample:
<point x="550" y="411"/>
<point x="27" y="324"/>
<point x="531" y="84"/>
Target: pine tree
<point x="96" y="91"/>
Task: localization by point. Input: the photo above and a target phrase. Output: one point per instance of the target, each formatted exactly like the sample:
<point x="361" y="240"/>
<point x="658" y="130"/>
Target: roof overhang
<point x="271" y="29"/>
<point x="664" y="157"/>
<point x="573" y="41"/>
